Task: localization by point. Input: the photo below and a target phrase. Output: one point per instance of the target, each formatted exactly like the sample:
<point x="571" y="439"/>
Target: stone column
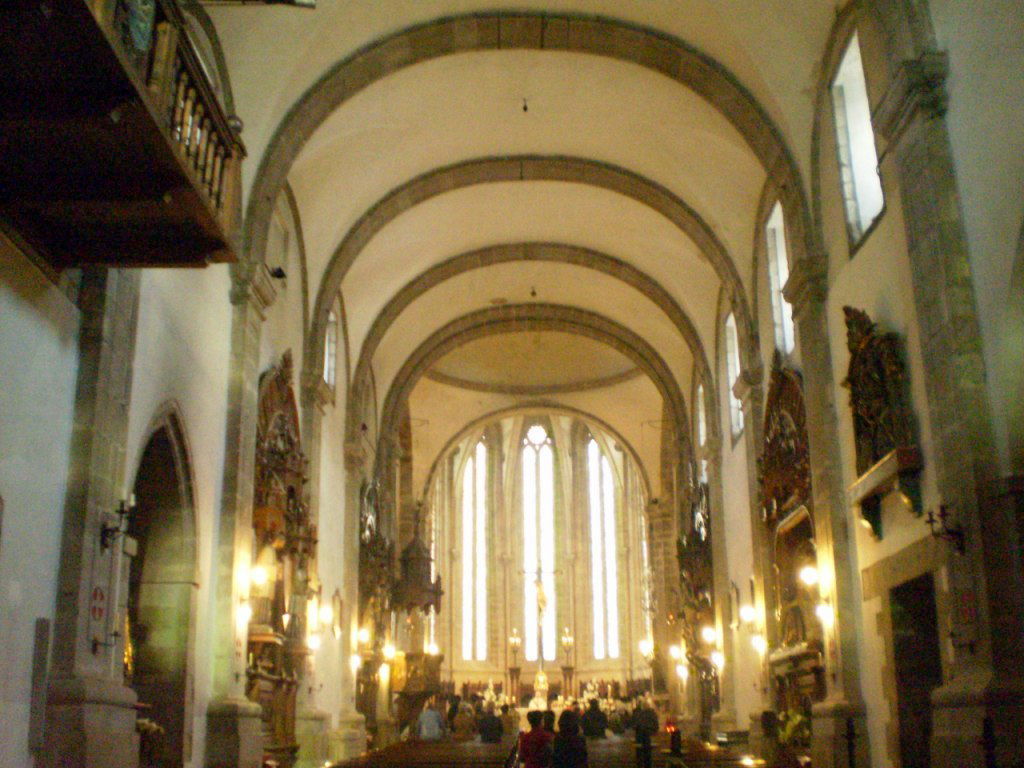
<point x="984" y="683"/>
<point x="311" y="723"/>
<point x="90" y="714"/>
<point x="349" y="738"/>
<point x="837" y="560"/>
<point x="233" y="729"/>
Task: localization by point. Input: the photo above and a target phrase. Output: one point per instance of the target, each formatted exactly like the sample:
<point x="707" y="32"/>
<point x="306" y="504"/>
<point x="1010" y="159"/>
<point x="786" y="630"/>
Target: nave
<point x="613" y="752"/>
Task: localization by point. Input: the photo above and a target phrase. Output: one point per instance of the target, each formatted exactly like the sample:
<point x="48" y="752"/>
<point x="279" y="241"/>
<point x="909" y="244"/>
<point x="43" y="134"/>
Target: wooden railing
<point x="155" y="45"/>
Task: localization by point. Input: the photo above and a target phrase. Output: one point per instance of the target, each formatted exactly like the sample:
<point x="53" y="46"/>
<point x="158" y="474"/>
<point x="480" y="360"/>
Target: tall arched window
<point x="474" y="555"/>
<point x="603" y="564"/>
<point x="855" y="143"/>
<point x="702" y="421"/>
<point x="538" y="462"/>
<point x="778" y="274"/>
<point x="331" y="349"/>
<point x="732" y="369"/>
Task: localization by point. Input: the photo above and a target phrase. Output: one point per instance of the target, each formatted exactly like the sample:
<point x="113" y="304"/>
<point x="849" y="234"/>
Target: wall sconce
<point x="748" y="614"/>
<point x="675" y="652"/>
<point x="944" y="532"/>
<point x="258" y="576"/>
<point x="313" y="642"/>
<point x="826" y="614"/>
<point x="683" y="672"/>
<point x="326" y="614"/>
<point x="388" y="651"/>
<point x="647" y="649"/>
<point x="809" y="575"/>
<point x="355" y="661"/>
<point x="432" y="649"/>
<point x="109" y="533"/>
<point x="364" y="635"/>
<point x="709" y="634"/>
<point x="718" y="659"/>
<point x="759" y="643"/>
<point x="244" y="615"/>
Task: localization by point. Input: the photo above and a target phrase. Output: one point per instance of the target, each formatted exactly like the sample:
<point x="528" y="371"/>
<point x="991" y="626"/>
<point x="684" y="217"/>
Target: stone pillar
<point x="837" y="561"/>
<point x="984" y="682"/>
<point x="349" y="738"/>
<point x="90" y="714"/>
<point x="311" y="723"/>
<point x="233" y="728"/>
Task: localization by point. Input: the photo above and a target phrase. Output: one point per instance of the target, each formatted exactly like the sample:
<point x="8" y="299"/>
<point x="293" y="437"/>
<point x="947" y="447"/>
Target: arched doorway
<point x="162" y="597"/>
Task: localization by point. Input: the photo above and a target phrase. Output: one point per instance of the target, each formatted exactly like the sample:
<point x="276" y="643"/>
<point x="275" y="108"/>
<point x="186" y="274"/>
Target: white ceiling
<point x="470" y="105"/>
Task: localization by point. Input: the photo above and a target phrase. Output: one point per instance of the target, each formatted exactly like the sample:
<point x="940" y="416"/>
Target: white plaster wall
<point x="985" y="43"/>
<point x="876" y="279"/>
<point x="282" y="329"/>
<point x="182" y="352"/>
<point x="39" y="362"/>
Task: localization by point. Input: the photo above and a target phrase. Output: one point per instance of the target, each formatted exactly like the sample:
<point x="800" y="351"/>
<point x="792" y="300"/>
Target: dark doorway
<point x="918" y="666"/>
<point x="161" y="601"/>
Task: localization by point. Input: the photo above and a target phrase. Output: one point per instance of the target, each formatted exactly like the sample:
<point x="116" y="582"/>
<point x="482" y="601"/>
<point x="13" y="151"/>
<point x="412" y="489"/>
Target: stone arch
<point x="529" y="168"/>
<point x="163" y="586"/>
<point x="596" y="35"/>
<point x="536" y="406"/>
<point x="520" y="317"/>
<point x="554" y="252"/>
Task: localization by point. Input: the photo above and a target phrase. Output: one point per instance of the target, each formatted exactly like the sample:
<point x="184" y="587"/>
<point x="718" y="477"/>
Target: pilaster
<point x="90" y="711"/>
<point x="233" y="722"/>
<point x="983" y="696"/>
<point x="806" y="291"/>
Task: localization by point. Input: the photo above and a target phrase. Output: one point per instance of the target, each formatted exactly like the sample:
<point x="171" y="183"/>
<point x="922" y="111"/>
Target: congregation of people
<point x="540" y="744"/>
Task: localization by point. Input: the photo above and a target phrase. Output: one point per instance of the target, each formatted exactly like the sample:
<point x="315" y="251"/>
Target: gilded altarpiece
<point x="698" y="608"/>
<point x="795" y="657"/>
<point x="284" y="564"/>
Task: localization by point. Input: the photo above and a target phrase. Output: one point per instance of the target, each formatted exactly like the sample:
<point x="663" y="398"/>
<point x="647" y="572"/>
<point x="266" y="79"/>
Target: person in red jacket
<point x="535" y="744"/>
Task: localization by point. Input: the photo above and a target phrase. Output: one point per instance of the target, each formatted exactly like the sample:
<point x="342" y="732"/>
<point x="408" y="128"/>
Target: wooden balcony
<point x="113" y="147"/>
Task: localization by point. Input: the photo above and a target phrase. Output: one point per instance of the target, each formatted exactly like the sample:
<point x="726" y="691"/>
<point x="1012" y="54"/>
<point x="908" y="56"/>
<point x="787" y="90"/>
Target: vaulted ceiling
<point x="535" y="207"/>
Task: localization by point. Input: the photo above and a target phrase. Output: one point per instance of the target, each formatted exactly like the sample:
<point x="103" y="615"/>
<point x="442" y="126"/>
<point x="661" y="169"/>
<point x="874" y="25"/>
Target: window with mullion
<point x="538" y="491"/>
<point x="474" y="555"/>
<point x="603" y="563"/>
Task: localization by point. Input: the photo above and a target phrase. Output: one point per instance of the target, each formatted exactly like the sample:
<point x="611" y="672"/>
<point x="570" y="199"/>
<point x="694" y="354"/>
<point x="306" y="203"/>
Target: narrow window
<point x="702" y="421"/>
<point x="855" y="142"/>
<point x="732" y="366"/>
<point x="538" y="542"/>
<point x="603" y="564"/>
<point x="474" y="555"/>
<point x="778" y="274"/>
<point x="330" y="348"/>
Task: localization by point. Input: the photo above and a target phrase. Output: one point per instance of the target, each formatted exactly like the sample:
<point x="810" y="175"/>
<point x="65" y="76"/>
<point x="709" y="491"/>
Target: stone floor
<point x="609" y="753"/>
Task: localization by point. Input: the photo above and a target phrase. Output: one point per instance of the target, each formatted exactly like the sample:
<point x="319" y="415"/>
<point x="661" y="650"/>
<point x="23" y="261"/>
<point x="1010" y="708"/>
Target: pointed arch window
<point x="778" y="275"/>
<point x="331" y="348"/>
<point x="538" y="466"/>
<point x="855" y="142"/>
<point x="603" y="563"/>
<point x="702" y="419"/>
<point x="474" y="555"/>
<point x="732" y="369"/>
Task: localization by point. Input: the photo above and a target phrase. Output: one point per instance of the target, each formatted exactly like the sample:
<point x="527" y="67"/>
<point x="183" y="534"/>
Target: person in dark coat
<point x="594" y="721"/>
<point x="569" y="748"/>
<point x="453" y="710"/>
<point x="549" y="721"/>
<point x="489" y="726"/>
<point x="645" y="725"/>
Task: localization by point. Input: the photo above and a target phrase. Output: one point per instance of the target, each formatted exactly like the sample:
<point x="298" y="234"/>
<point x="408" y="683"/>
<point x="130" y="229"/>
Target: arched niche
<point x="161" y="607"/>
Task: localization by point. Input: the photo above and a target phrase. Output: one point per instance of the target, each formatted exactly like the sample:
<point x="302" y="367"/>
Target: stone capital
<point x="917" y="88"/>
<point x="316" y="391"/>
<point x="253" y="284"/>
<point x="807" y="284"/>
<point x="748" y="380"/>
<point x="355" y="455"/>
